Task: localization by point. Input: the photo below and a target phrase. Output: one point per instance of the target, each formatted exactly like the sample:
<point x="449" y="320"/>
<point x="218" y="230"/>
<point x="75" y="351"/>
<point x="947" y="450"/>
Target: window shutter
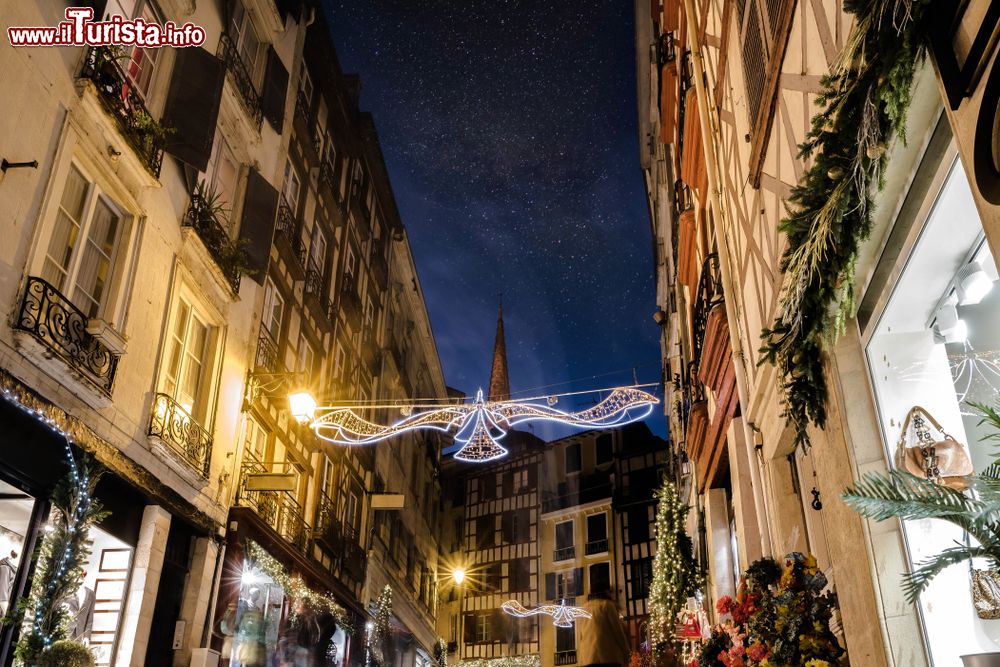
<point x="192" y="106"/>
<point x="272" y="99"/>
<point x="577" y="581"/>
<point x="260" y="208"/>
<point x="550" y="585"/>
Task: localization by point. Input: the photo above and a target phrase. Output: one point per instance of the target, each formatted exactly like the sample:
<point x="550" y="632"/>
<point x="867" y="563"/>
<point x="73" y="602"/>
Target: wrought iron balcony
<point x="267" y="352"/>
<point x="380" y="267"/>
<point x="315" y="285"/>
<point x="350" y="300"/>
<point x="200" y="217"/>
<point x="56" y="323"/>
<point x="565" y="657"/>
<point x="708" y="297"/>
<point x="354" y="559"/>
<point x="121" y="100"/>
<point x="328" y="177"/>
<point x="329" y="531"/>
<point x="566" y="553"/>
<point x="242" y="78"/>
<point x="172" y="424"/>
<point x="302" y="111"/>
<point x="278" y="509"/>
<point x="596" y="547"/>
<point x="288" y="232"/>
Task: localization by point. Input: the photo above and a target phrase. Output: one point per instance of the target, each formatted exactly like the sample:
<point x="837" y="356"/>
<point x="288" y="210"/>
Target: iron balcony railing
<point x="120" y="98"/>
<point x="565" y="553"/>
<point x="288" y="230"/>
<point x="200" y="217"/>
<point x="565" y="657"/>
<point x="267" y="352"/>
<point x="315" y="285"/>
<point x="278" y="509"/>
<point x="242" y="78"/>
<point x="328" y="177"/>
<point x="302" y="107"/>
<point x="596" y="547"/>
<point x="708" y="297"/>
<point x="174" y="425"/>
<point x="350" y="300"/>
<point x="60" y="326"/>
<point x="329" y="531"/>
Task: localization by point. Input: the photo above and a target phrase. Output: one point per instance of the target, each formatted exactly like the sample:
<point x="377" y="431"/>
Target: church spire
<point x="499" y="381"/>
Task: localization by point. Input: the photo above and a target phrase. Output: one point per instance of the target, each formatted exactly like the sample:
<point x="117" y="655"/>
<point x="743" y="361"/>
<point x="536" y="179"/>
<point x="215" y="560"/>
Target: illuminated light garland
<point x="562" y="615"/>
<point x="481" y="424"/>
<point x="378" y="629"/>
<point x="294" y="587"/>
<point x="531" y="660"/>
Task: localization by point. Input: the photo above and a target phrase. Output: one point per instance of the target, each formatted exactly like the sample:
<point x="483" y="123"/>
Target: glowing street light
<point x="303" y="406"/>
<point x="458" y="575"/>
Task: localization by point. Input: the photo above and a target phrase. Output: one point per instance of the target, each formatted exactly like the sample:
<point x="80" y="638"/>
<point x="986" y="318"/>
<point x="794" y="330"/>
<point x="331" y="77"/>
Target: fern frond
<point x="915" y="582"/>
<point x="900" y="494"/>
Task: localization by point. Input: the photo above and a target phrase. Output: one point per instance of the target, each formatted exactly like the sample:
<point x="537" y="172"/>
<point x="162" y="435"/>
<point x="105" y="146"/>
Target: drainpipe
<point x="708" y="140"/>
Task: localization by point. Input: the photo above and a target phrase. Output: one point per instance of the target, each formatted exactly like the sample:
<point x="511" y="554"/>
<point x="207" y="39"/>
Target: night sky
<point x="509" y="131"/>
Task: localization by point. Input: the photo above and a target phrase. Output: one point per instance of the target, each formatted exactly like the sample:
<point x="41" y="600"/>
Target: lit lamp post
<point x="302" y="405"/>
<point x="458" y="579"/>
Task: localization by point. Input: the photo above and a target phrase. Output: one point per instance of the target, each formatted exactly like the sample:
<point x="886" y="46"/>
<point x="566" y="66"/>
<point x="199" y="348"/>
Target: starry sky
<point x="509" y="131"/>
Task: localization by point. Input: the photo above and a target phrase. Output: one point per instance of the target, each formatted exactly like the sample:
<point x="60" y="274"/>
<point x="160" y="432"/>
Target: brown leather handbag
<point x="943" y="460"/>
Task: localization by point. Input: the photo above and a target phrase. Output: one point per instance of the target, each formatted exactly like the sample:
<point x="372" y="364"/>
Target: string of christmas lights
<point x="562" y="615"/>
<point x="531" y="660"/>
<point x="378" y="629"/>
<point x="479" y="426"/>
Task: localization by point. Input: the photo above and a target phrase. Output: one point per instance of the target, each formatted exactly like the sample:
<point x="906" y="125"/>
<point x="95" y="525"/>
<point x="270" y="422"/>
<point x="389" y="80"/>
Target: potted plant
<point x="66" y="653"/>
<point x="898" y="494"/>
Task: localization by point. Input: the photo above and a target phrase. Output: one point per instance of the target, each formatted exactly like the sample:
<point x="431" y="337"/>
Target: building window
<point x="565" y="639"/>
<point x="305" y="359"/>
<point x="573" y="462"/>
<point x="190" y="360"/>
<point x="641" y="574"/>
<point x="597" y="533"/>
<point x="638" y="524"/>
<point x="222" y="174"/>
<point x="482" y="629"/>
<point x="243" y="35"/>
<point x="84" y="244"/>
<point x="141" y="62"/>
<point x="306" y="85"/>
<point x="600" y="578"/>
<point x="317" y="249"/>
<point x="351" y="517"/>
<point x="339" y="361"/>
<point x="369" y="325"/>
<point x="516" y="525"/>
<point x="292" y="186"/>
<point x="350" y="262"/>
<point x="519" y="575"/>
<point x="487" y="487"/>
<point x="256" y="440"/>
<point x="933" y="345"/>
<point x="485" y="532"/>
<point x="604" y="449"/>
<point x="274" y="309"/>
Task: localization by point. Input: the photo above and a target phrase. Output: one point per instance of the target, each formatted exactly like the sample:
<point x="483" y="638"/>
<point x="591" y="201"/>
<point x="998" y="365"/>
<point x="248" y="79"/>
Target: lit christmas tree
<point x="676" y="576"/>
<point x="378" y="629"/>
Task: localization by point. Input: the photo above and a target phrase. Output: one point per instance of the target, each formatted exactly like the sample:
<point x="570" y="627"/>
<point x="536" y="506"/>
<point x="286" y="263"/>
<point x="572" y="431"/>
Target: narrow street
<point x="370" y="333"/>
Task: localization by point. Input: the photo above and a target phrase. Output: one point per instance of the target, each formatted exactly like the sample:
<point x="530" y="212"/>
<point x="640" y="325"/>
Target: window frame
<point x="592" y="516"/>
<point x="574" y="446"/>
<point x="572" y="534"/>
<point x="273" y="295"/>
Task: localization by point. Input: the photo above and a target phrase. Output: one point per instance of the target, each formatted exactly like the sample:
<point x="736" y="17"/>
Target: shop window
<point x="936" y="344"/>
<point x="83" y="246"/>
<point x="254" y="620"/>
<point x="16" y="508"/>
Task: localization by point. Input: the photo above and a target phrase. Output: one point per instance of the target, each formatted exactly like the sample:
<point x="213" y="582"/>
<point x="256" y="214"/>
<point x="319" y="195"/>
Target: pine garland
<point x="829" y="213"/>
<point x="441" y="653"/>
<point x="60" y="560"/>
<point x="378" y="629"/>
<point x="675" y="574"/>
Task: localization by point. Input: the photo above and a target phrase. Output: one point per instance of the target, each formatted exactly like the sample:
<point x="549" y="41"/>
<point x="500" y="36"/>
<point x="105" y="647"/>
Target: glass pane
<point x="15" y="519"/>
<point x="95" y="265"/>
<point x="66" y="229"/>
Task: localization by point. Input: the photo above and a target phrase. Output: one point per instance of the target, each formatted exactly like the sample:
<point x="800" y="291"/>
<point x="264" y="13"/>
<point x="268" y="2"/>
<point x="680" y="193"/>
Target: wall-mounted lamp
<point x="973" y="283"/>
<point x="660" y="317"/>
<point x="302" y="406"/>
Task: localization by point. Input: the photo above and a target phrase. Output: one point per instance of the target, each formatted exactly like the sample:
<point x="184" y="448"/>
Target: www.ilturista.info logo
<point x="80" y="30"/>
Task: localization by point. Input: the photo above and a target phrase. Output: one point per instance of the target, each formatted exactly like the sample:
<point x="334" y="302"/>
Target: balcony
<point x="172" y="424"/>
<point x="120" y="99"/>
<point x="290" y="242"/>
<point x="371" y="354"/>
<point x="328" y="179"/>
<point x="596" y="547"/>
<point x="565" y="553"/>
<point x="708" y="297"/>
<point x="354" y="559"/>
<point x="242" y="78"/>
<point x="588" y="489"/>
<point x="61" y="327"/>
<point x="350" y="300"/>
<point x="266" y="358"/>
<point x="316" y="293"/>
<point x="302" y="111"/>
<point x="278" y="509"/>
<point x="565" y="657"/>
<point x="329" y="531"/>
<point x="228" y="254"/>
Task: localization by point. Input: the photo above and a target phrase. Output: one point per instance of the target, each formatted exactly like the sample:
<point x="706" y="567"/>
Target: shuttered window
<point x="763" y="29"/>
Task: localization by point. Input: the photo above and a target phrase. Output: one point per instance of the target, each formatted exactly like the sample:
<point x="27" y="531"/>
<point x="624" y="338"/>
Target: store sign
<point x="388" y="501"/>
<point x="270" y="481"/>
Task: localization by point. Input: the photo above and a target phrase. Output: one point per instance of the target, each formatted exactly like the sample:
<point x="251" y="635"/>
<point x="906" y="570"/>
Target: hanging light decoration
<point x="478" y="426"/>
<point x="562" y="615"/>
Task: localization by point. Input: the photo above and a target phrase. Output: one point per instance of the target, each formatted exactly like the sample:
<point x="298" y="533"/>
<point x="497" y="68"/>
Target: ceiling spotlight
<point x="973" y="283"/>
<point x="948" y="326"/>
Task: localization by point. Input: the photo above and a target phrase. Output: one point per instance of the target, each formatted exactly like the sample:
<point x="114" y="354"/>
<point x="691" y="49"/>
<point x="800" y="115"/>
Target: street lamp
<point x="302" y="406"/>
<point x="458" y="575"/>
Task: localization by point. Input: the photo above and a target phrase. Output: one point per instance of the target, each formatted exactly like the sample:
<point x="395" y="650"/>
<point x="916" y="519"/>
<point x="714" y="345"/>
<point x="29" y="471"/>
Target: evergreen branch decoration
<point x="61" y="557"/>
<point x="675" y="573"/>
<point x="378" y="629"/>
<point x="864" y="102"/>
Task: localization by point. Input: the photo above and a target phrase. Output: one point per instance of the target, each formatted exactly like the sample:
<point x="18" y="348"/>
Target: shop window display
<point x="15" y="521"/>
<point x="253" y="621"/>
<point x="937" y="346"/>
